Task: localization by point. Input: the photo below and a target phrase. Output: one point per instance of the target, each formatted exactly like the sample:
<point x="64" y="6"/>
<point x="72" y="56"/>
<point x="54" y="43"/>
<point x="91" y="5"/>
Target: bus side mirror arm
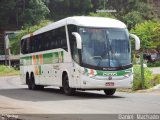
<point x="137" y="41"/>
<point x="78" y="39"/>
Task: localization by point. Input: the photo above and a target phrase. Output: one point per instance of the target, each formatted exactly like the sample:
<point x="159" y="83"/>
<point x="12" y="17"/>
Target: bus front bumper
<point x="91" y="83"/>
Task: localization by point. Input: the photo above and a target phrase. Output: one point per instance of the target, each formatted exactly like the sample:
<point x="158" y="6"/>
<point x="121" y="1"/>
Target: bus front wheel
<point x="66" y="88"/>
<point x="109" y="92"/>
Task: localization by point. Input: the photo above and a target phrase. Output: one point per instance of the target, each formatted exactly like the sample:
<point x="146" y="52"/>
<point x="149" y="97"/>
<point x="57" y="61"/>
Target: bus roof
<point x="86" y="21"/>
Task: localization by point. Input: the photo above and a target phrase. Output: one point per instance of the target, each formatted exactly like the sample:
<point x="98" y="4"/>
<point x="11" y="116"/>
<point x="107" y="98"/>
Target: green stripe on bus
<point x="26" y="60"/>
<point x="40" y="70"/>
<point x="48" y="58"/>
<point x="55" y="57"/>
<point x="107" y="73"/>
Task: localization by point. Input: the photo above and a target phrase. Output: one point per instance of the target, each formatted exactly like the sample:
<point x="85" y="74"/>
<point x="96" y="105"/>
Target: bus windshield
<point x="105" y="47"/>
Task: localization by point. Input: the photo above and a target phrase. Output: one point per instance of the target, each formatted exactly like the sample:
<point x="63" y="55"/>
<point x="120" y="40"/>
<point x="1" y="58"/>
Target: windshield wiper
<point x="105" y="51"/>
<point x="99" y="62"/>
<point x="118" y="61"/>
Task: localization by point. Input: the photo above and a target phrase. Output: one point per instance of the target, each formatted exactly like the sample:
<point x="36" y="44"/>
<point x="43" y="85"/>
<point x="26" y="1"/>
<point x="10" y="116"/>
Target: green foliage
<point x="156" y="79"/>
<point x="125" y="7"/>
<point x="101" y="14"/>
<point x="148" y="76"/>
<point x="156" y="35"/>
<point x="16" y="13"/>
<point x="35" y="12"/>
<point x="137" y="82"/>
<point x="132" y="18"/>
<point x="64" y="8"/>
<point x="15" y="44"/>
<point x="30" y="12"/>
<point x="6" y="71"/>
<point x="148" y="32"/>
<point x="153" y="64"/>
<point x="6" y="8"/>
<point x="130" y="12"/>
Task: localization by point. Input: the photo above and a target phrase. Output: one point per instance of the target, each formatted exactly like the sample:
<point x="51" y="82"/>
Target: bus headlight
<point x="127" y="75"/>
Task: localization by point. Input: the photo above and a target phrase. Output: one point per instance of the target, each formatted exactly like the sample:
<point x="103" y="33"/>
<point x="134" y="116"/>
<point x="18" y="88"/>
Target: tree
<point x="6" y="6"/>
<point x="129" y="11"/>
<point x="64" y="8"/>
<point x="102" y="14"/>
<point x="132" y="18"/>
<point x="148" y="32"/>
<point x="123" y="7"/>
<point x="16" y="13"/>
<point x="15" y="42"/>
<point x="34" y="12"/>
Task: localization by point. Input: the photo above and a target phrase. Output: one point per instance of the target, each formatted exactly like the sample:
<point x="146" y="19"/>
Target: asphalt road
<point x="17" y="99"/>
<point x="155" y="70"/>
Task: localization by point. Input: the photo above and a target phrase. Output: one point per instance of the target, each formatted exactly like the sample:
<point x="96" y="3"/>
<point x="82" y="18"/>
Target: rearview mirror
<point x="137" y="41"/>
<point x="78" y="39"/>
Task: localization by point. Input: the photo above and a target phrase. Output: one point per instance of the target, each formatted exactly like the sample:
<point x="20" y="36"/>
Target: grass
<point x="8" y="71"/>
<point x="156" y="79"/>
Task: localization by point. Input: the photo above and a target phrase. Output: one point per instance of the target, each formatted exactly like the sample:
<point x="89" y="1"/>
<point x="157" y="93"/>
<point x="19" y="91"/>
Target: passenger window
<point x="72" y="40"/>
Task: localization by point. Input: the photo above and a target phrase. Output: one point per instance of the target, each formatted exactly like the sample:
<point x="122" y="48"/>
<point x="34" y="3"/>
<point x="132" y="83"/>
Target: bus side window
<point x="37" y="45"/>
<point x="56" y="37"/>
<point x="72" y="40"/>
<point x="50" y="40"/>
<point x="47" y="39"/>
<point x="52" y="33"/>
<point x="42" y="42"/>
<point x="52" y="44"/>
<point x="62" y="38"/>
<point x="31" y="48"/>
<point x="27" y="45"/>
<point x="22" y="46"/>
<point x="64" y="44"/>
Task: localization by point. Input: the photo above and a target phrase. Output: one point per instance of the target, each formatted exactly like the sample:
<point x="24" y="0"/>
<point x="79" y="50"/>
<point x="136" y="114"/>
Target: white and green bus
<point x="78" y="53"/>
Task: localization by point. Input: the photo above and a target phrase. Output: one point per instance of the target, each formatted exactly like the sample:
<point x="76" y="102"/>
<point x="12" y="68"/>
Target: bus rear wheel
<point x="65" y="83"/>
<point x="109" y="92"/>
<point x="32" y="85"/>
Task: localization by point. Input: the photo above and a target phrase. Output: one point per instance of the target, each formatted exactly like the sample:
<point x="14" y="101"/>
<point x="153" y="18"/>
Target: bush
<point x="153" y="64"/>
<point x="148" y="32"/>
<point x="102" y="14"/>
<point x="137" y="82"/>
<point x="6" y="71"/>
<point x="156" y="79"/>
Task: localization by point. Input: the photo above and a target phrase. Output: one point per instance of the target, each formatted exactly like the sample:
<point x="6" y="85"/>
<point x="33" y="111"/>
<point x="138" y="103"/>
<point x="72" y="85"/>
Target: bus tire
<point x="61" y="88"/>
<point x="109" y="92"/>
<point x="65" y="83"/>
<point x="28" y="81"/>
<point x="32" y="84"/>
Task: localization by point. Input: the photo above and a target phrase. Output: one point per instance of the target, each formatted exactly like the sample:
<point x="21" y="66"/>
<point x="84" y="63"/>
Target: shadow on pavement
<point x="50" y="94"/>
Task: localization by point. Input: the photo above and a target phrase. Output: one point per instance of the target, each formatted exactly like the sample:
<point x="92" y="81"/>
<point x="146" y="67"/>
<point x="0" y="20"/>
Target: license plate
<point x="110" y="84"/>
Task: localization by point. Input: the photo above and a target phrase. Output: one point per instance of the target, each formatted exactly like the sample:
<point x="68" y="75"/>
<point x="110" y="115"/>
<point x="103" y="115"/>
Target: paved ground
<point x="16" y="98"/>
<point x="155" y="70"/>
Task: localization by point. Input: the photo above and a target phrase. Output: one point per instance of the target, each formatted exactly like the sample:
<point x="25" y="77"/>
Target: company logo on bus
<point x="109" y="68"/>
<point x="110" y="78"/>
<point x="109" y="74"/>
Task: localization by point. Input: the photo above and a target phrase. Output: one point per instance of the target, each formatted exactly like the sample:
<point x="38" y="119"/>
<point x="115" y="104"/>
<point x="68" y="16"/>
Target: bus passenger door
<point x="76" y="75"/>
<point x="42" y="77"/>
<point x="52" y="78"/>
